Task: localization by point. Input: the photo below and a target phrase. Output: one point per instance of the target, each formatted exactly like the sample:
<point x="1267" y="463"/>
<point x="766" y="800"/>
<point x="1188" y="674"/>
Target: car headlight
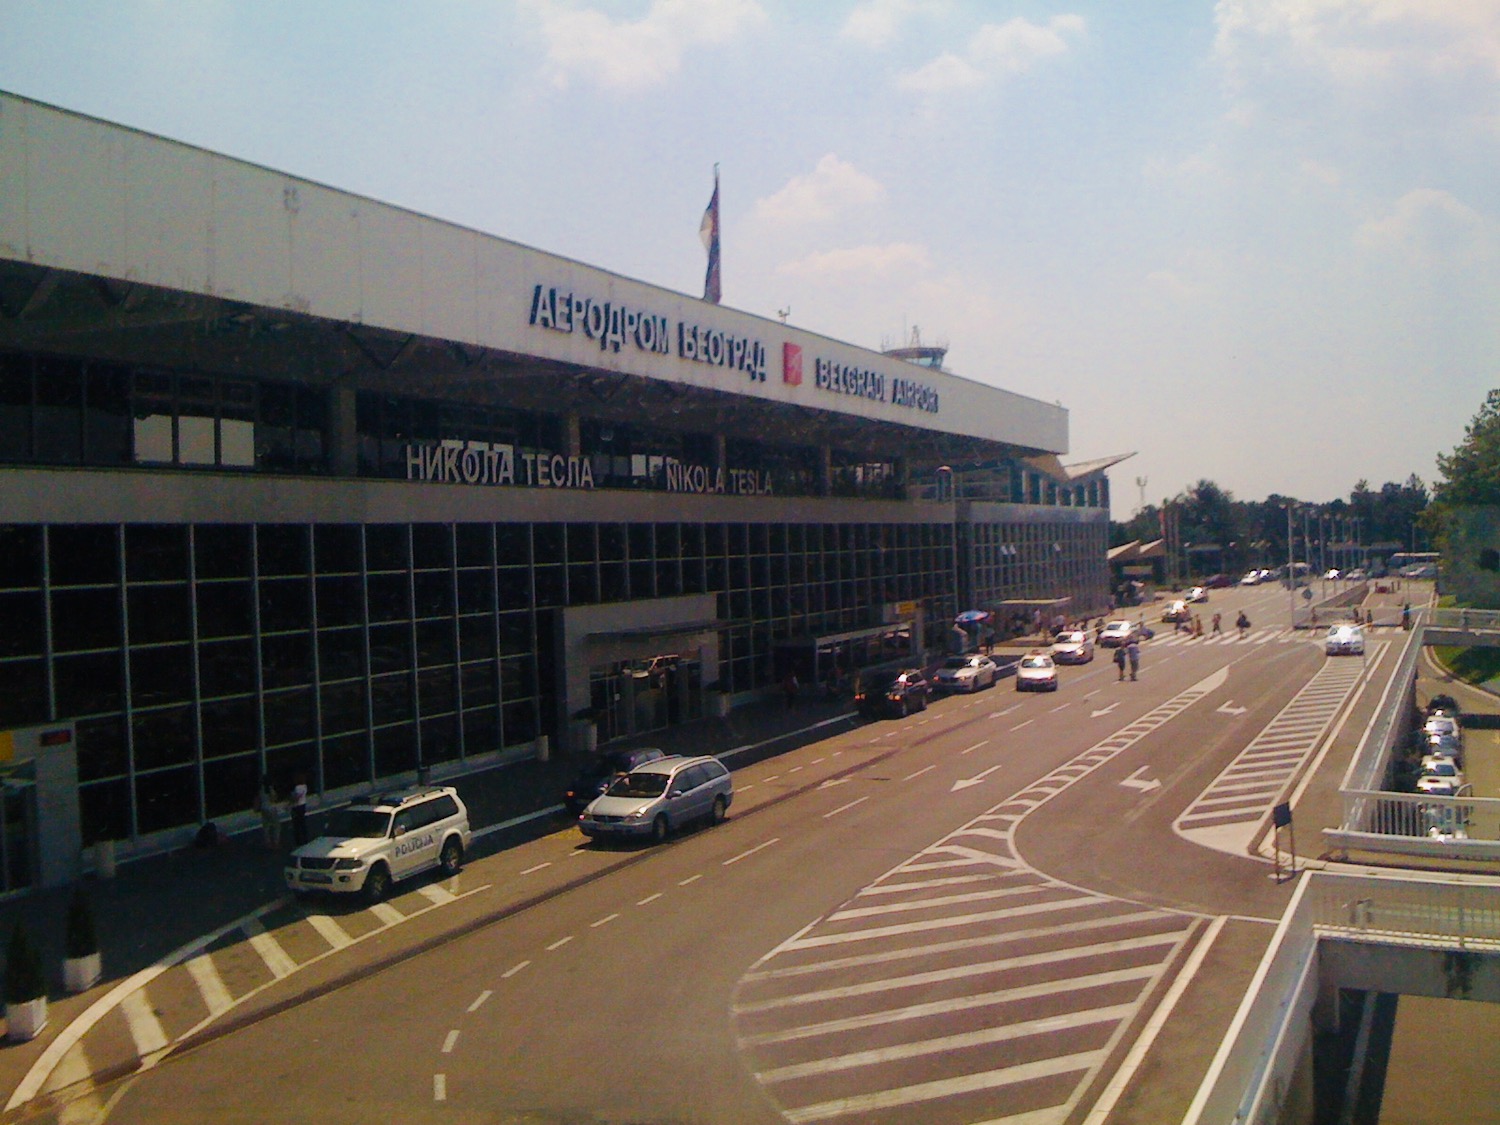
<point x="638" y="814"/>
<point x="348" y="864"/>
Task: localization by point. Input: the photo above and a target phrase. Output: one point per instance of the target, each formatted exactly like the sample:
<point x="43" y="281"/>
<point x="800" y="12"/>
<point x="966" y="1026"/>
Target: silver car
<point x="654" y="799"/>
<point x="966" y="673"/>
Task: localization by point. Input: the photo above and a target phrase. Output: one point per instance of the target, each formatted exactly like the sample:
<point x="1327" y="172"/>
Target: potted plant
<point x="81" y="967"/>
<point x="25" y="988"/>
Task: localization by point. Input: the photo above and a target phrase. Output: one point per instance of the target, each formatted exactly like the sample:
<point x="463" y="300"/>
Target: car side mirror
<point x="676" y="793"/>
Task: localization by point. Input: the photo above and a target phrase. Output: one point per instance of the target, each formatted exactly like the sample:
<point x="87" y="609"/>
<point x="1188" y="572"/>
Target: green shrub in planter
<point x="24" y="979"/>
<point x="80" y="938"/>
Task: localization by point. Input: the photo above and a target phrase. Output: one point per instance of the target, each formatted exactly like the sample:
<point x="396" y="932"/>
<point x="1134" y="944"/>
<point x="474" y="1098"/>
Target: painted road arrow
<point x="976" y="779"/>
<point x="1106" y="711"/>
<point x="1229" y="709"/>
<point x="1135" y="781"/>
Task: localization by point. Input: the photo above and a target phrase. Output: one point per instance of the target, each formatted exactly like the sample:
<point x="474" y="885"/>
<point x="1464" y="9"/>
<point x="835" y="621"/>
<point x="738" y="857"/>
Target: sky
<point x="1255" y="242"/>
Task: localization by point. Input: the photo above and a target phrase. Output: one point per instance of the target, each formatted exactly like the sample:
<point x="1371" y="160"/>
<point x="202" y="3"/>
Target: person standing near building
<point x="269" y="807"/>
<point x="299" y="810"/>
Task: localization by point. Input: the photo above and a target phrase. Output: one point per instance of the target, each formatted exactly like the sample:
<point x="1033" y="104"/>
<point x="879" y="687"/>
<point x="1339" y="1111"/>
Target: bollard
<point x="104" y="859"/>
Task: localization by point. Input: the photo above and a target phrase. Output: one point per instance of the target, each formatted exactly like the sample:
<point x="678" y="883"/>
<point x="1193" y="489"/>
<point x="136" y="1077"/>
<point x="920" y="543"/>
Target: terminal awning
<point x="664" y="631"/>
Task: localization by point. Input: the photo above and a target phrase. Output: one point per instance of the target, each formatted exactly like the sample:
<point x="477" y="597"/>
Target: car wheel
<point x="452" y="858"/>
<point x="719" y="811"/>
<point x="923" y="704"/>
<point x="903" y="710"/>
<point x="659" y="828"/>
<point x="377" y="883"/>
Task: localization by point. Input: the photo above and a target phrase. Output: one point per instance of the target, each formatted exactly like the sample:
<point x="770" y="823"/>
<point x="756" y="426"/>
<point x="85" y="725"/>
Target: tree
<point x="1472" y="470"/>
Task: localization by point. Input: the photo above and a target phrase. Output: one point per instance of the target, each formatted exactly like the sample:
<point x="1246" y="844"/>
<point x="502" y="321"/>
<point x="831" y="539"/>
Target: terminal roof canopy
<point x="234" y="269"/>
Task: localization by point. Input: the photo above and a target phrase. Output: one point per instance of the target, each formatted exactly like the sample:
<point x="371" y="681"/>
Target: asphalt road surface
<point x="1010" y="908"/>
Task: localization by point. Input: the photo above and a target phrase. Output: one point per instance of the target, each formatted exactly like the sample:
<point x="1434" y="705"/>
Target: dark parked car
<point x="595" y="777"/>
<point x="893" y="693"/>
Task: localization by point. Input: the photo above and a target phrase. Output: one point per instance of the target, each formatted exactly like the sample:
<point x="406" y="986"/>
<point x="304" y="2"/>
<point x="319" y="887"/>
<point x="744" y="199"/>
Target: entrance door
<point x="17" y="835"/>
<point x="650" y="693"/>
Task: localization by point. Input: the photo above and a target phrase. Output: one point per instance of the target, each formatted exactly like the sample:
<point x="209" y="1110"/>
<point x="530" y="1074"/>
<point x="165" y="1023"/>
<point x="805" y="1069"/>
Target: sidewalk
<point x="156" y="905"/>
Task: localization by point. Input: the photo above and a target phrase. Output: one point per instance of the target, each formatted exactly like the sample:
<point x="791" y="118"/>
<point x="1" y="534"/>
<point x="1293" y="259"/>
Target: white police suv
<point x="375" y="841"/>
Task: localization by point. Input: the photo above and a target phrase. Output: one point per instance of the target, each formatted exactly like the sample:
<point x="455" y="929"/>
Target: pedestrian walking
<point x="1197" y="625"/>
<point x="1242" y="623"/>
<point x="299" y="810"/>
<point x="1406" y="616"/>
<point x="1133" y="654"/>
<point x="1120" y="661"/>
<point x="268" y="804"/>
<point x="1218" y="627"/>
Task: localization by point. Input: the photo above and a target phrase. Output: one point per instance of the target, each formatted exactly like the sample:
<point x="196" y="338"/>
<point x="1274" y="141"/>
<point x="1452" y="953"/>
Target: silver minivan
<point x="658" y="797"/>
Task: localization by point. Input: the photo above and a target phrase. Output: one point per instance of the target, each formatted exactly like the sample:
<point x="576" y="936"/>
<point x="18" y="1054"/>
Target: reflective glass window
<point x="167" y="800"/>
<point x="221" y="550"/>
<point x="156" y="552"/>
<point x="228" y="726"/>
<point x="224" y="609"/>
<point x="163" y="674"/>
<point x="162" y="737"/>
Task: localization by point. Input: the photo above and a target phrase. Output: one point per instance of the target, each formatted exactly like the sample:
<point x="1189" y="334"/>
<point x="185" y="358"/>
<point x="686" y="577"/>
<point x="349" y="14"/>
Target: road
<point x="1022" y="908"/>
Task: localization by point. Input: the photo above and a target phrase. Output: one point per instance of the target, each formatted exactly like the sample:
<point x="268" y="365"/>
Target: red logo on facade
<point x="791" y="364"/>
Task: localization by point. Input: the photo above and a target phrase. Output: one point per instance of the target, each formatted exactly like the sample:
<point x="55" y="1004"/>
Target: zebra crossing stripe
<point x="269" y="948"/>
<point x="210" y="984"/>
<point x="946" y="1087"/>
<point x="933" y="903"/>
<point x="945" y="923"/>
<point x="931" y="949"/>
<point x="145" y="1028"/>
<point x="1041" y="1026"/>
<point x="956" y="1004"/>
<point x="962" y="972"/>
<point x="330" y="931"/>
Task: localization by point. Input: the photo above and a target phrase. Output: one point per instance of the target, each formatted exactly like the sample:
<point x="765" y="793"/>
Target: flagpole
<point x="708" y="231"/>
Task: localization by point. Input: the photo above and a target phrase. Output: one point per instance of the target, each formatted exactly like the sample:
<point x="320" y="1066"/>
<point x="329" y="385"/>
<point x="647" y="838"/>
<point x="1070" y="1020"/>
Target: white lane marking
<point x="606" y="920"/>
<point x="964" y="783"/>
<point x="329" y="930"/>
<point x="1041" y="1026"/>
<point x="1136" y="781"/>
<point x="794" y="769"/>
<point x="1105" y="710"/>
<point x="439" y="1087"/>
<point x="449" y="1042"/>
<point x="833" y="781"/>
<point x="210" y="984"/>
<point x="559" y="943"/>
<point x="479" y="1000"/>
<point x="962" y="972"/>
<point x="752" y="851"/>
<point x="438" y="896"/>
<point x="963" y="1003"/>
<point x="744" y="788"/>
<point x="513" y="970"/>
<point x="945" y="923"/>
<point x="649" y="899"/>
<point x="1027" y="723"/>
<point x="145" y="1028"/>
<point x="919" y="773"/>
<point x="815" y="761"/>
<point x="536" y="867"/>
<point x="843" y="808"/>
<point x="1007" y="711"/>
<point x="922" y="885"/>
<point x="387" y="914"/>
<point x="976" y="746"/>
<point x="269" y="948"/>
<point x="938" y="900"/>
<point x="689" y="879"/>
<point x="77" y="1068"/>
<point x="770" y="777"/>
<point x="947" y="1087"/>
<point x="1228" y="708"/>
<point x="1121" y="1079"/>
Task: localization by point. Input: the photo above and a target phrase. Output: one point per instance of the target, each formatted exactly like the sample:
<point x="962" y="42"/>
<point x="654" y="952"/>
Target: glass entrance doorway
<point x="18" y="858"/>
<point x="645" y="694"/>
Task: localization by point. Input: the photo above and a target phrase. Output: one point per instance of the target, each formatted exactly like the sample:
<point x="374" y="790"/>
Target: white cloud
<point x="833" y="187"/>
<point x="875" y="23"/>
<point x="632" y="55"/>
<point x="894" y="259"/>
<point x="1355" y="40"/>
<point x="995" y="50"/>
<point x="1429" y="225"/>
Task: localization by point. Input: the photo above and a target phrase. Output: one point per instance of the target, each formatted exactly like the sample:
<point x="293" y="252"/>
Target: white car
<point x="1197" y="594"/>
<point x="966" y="673"/>
<point x="1344" y="640"/>
<point x="1177" y="611"/>
<point x="1252" y="578"/>
<point x="373" y="842"/>
<point x="655" y="799"/>
<point x="1036" y="672"/>
<point x="1440" y="775"/>
<point x="1116" y="633"/>
<point x="1073" y="647"/>
<point x="1444" y="725"/>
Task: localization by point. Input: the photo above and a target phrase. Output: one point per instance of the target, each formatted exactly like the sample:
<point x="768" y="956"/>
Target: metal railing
<point x="1426" y="911"/>
<point x="1384" y="813"/>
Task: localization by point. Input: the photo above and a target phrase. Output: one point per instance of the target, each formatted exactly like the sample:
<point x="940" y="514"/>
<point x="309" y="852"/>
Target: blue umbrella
<point x="970" y="616"/>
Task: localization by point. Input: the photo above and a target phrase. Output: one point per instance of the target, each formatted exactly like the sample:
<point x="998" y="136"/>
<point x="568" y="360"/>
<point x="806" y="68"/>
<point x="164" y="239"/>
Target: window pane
<point x="283" y="548"/>
<point x="390" y="698"/>
<point x="229" y="784"/>
<point x="337" y="547"/>
<point x="228" y="726"/>
<point x="153" y="439"/>
<point x="59" y="411"/>
<point x="159" y="613"/>
<point x="88" y="684"/>
<point x="167" y="800"/>
<point x="156" y="553"/>
<point x="344" y="707"/>
<point x="284" y="605"/>
<point x="21" y="623"/>
<point x="286" y="660"/>
<point x="346" y="761"/>
<point x="341" y="653"/>
<point x="226" y="667"/>
<point x="224" y="609"/>
<point x="390" y="648"/>
<point x="163" y="738"/>
<point x="195" y="440"/>
<point x="24" y="700"/>
<point x="222" y="550"/>
<point x="15" y="407"/>
<point x="160" y="675"/>
<point x="101" y="748"/>
<point x="289" y="716"/>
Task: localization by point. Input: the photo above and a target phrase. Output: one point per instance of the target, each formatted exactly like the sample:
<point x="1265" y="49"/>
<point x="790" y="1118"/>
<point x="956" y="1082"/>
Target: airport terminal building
<point x="296" y="482"/>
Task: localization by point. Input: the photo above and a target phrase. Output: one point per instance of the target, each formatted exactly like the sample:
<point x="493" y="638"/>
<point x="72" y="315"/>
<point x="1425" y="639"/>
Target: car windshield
<point x="639" y="785"/>
<point x="1443" y="769"/>
<point x="958" y="662"/>
<point x="359" y="824"/>
<point x="1070" y="638"/>
<point x="1035" y="662"/>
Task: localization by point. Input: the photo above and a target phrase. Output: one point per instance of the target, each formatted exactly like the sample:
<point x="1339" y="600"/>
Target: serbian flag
<point x="708" y="230"/>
